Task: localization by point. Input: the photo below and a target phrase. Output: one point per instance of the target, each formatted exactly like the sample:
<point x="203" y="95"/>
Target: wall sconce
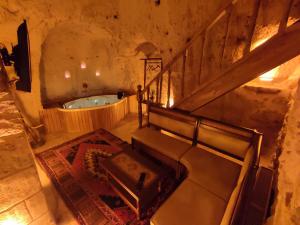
<point x="11" y="221"/>
<point x="270" y="75"/>
<point x="83" y="65"/>
<point x="67" y="74"/>
<point x="171" y="101"/>
<point x="98" y="73"/>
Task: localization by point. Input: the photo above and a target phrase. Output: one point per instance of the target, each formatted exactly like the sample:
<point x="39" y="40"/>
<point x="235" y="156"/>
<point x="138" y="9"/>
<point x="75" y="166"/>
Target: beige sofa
<point x="218" y="158"/>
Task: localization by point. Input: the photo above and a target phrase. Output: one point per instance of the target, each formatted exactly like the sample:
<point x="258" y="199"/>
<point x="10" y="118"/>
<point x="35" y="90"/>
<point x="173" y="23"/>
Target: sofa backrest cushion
<point x="230" y="140"/>
<point x="177" y="124"/>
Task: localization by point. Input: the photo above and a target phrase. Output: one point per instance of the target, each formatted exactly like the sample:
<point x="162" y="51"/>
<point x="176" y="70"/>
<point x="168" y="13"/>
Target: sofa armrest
<point x="259" y="201"/>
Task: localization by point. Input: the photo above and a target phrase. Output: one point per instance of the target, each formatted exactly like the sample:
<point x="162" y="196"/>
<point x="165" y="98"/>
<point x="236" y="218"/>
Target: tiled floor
<point x="63" y="216"/>
<point x="126" y="128"/>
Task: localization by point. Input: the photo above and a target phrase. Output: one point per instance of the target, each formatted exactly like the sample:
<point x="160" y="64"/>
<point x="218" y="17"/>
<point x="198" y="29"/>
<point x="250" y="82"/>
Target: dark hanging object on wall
<point x="157" y="2"/>
<point x="21" y="56"/>
<point x="120" y="94"/>
<point x="5" y="56"/>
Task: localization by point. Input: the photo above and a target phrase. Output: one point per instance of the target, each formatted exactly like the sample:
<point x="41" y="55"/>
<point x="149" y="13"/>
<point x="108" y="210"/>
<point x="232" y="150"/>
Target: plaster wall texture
<point x="112" y="36"/>
<point x="64" y="33"/>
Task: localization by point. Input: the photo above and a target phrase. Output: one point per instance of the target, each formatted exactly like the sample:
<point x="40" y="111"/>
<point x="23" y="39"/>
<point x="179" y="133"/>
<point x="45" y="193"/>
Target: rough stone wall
<point x="259" y="105"/>
<point x="21" y="194"/>
<point x="255" y="108"/>
<point x="118" y="28"/>
<point x="287" y="205"/>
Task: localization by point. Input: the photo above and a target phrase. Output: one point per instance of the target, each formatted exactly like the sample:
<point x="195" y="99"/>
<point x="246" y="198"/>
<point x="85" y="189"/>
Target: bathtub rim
<point x="93" y="108"/>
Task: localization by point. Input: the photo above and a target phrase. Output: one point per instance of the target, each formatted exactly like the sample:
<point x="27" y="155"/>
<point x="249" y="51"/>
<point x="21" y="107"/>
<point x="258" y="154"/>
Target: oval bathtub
<point x="91" y="102"/>
<point x="85" y="114"/>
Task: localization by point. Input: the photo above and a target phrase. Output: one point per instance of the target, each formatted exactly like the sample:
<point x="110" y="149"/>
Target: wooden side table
<point x="123" y="172"/>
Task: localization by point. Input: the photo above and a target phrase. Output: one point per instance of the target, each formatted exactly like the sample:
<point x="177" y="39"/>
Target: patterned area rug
<point x="75" y="171"/>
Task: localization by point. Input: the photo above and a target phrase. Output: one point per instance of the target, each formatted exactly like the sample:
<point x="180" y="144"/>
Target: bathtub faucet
<point x="84" y="85"/>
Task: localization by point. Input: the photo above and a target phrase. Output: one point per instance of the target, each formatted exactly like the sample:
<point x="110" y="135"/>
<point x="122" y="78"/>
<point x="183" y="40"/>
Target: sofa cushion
<point x="184" y="128"/>
<point x="164" y="144"/>
<point x="214" y="173"/>
<point x="231" y="143"/>
<point x="190" y="204"/>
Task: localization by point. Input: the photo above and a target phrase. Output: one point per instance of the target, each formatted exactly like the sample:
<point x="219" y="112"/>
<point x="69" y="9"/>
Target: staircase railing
<point x="185" y="73"/>
<point x="162" y="81"/>
<point x="181" y="59"/>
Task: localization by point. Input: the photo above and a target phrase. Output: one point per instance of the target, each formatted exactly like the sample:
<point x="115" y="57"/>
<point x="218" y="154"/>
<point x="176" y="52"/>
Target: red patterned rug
<point x="74" y="170"/>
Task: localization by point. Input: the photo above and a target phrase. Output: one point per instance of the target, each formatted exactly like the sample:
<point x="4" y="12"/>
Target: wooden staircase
<point x="222" y="56"/>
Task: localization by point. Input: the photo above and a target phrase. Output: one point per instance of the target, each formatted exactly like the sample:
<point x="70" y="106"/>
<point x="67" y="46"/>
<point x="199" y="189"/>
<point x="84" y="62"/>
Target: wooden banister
<point x="252" y="29"/>
<point x="229" y="75"/>
<point x="183" y="73"/>
<point x="201" y="58"/>
<point x="197" y="35"/>
<point x="277" y="50"/>
<point x="229" y="11"/>
<point x="169" y="88"/>
<point x="140" y="109"/>
<point x="285" y="17"/>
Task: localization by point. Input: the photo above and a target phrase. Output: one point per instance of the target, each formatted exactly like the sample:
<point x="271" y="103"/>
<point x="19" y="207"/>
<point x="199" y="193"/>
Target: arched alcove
<point x="76" y="61"/>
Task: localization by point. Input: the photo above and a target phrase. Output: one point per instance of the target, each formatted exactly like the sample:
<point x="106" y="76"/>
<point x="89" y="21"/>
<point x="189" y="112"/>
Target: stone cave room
<point x="149" y="112"/>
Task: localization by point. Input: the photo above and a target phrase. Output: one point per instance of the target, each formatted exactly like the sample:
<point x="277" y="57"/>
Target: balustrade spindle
<point x="202" y="56"/>
<point x="285" y="17"/>
<point x="183" y="72"/>
<point x="169" y="88"/>
<point x="145" y="73"/>
<point x="148" y="104"/>
<point x="157" y="90"/>
<point x="160" y="87"/>
<point x="252" y="27"/>
<point x="140" y="109"/>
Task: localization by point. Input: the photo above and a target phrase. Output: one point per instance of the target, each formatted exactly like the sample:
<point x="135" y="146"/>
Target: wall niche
<point x="76" y="61"/>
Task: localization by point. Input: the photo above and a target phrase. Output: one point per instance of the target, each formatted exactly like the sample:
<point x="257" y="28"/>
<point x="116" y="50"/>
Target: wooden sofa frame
<point x="197" y="120"/>
<point x="256" y="139"/>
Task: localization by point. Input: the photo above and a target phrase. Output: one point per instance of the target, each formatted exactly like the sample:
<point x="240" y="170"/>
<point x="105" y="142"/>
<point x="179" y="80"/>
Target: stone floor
<point x="62" y="214"/>
<point x="22" y="199"/>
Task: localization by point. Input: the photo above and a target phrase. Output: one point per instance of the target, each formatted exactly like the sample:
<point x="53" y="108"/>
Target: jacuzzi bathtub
<point x="90" y="102"/>
<point x="85" y="114"/>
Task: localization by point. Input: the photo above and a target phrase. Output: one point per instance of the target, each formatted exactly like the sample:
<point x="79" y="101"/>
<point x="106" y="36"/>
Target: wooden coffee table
<point x="123" y="172"/>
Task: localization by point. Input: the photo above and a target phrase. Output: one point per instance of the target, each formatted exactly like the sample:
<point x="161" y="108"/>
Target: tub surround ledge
<point x="84" y="119"/>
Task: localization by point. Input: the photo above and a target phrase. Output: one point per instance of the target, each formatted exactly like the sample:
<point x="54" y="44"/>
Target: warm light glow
<point x="270" y="75"/>
<point x="258" y="43"/>
<point x="83" y="65"/>
<point x="98" y="73"/>
<point x="171" y="102"/>
<point x="67" y="74"/>
<point x="11" y="221"/>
